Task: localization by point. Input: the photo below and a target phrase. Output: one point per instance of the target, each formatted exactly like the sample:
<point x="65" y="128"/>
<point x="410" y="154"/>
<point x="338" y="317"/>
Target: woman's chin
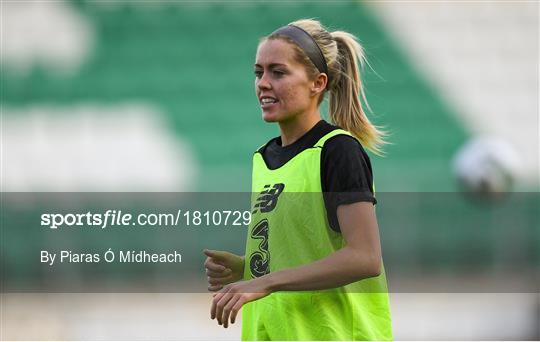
<point x="270" y="117"/>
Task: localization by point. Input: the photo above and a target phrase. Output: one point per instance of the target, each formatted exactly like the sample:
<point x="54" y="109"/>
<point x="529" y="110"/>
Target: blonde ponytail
<point x="345" y="106"/>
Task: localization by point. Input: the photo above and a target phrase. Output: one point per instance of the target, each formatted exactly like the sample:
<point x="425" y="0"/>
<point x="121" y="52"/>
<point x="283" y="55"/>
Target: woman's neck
<point x="293" y="130"/>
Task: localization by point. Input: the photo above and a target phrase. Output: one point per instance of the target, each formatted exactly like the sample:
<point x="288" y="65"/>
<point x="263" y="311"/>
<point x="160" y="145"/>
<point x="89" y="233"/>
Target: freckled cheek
<point x="296" y="99"/>
<point x="292" y="96"/>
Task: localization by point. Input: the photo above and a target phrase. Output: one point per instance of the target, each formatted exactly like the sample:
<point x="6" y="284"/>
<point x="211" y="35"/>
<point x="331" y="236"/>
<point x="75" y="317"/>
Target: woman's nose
<point x="263" y="82"/>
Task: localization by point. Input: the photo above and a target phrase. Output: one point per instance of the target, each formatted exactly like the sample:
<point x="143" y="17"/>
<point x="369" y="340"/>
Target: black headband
<point x="306" y="42"/>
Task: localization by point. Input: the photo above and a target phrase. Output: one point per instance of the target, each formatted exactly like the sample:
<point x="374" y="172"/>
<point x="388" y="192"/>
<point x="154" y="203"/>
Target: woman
<point x="313" y="220"/>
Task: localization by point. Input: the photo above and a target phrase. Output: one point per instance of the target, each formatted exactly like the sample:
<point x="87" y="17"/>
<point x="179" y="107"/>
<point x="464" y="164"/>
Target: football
<point x="486" y="167"/>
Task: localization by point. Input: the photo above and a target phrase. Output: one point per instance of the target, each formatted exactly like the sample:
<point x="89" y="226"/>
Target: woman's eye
<point x="276" y="73"/>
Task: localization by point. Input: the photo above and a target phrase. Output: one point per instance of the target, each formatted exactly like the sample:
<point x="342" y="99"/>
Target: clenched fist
<point x="222" y="268"/>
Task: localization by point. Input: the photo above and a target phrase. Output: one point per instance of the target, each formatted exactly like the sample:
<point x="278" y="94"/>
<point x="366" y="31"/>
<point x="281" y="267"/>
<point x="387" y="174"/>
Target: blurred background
<point x="158" y="96"/>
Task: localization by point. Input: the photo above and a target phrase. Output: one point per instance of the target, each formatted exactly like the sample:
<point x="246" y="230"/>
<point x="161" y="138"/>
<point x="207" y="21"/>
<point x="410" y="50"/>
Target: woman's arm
<point x="359" y="259"/>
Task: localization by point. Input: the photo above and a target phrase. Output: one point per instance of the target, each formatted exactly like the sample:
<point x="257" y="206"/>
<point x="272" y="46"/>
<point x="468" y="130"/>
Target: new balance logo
<point x="267" y="200"/>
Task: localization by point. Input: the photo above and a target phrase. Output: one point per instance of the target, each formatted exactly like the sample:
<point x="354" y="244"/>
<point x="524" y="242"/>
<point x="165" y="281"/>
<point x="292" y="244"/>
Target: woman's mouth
<point x="267" y="102"/>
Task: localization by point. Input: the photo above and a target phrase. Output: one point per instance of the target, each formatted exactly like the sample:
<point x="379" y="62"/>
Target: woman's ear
<point x="319" y="85"/>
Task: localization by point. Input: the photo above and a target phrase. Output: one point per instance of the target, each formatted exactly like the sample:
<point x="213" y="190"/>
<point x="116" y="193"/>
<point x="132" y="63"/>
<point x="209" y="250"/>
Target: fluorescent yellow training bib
<point x="289" y="228"/>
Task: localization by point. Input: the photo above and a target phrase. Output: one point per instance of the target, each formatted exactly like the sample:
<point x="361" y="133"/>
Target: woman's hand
<point x="229" y="301"/>
<point x="222" y="268"/>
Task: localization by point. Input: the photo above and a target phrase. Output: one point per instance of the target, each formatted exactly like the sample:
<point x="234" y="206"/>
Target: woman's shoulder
<point x="273" y="141"/>
<point x="343" y="144"/>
